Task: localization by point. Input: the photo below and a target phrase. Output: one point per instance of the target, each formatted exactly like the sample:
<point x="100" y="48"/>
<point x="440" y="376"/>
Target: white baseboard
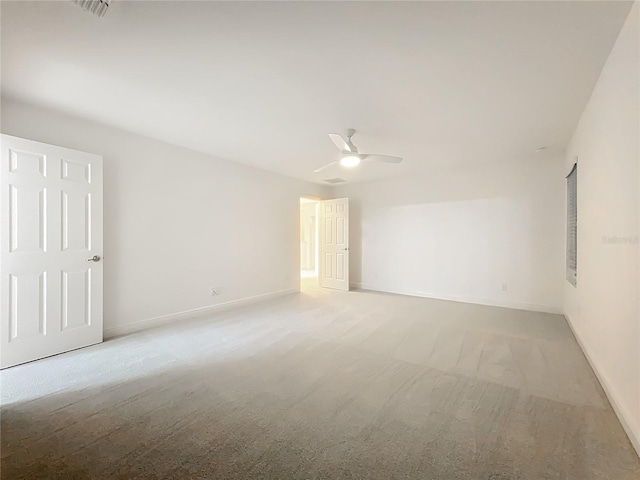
<point x="533" y="307"/>
<point x="196" y="312"/>
<point x="618" y="408"/>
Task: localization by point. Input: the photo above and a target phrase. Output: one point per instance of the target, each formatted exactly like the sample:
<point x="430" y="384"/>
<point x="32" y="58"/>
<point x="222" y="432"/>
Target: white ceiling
<point x="439" y="83"/>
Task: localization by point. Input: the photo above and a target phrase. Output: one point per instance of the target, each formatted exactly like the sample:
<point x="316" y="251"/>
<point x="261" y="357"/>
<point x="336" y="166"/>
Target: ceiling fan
<point x="349" y="156"/>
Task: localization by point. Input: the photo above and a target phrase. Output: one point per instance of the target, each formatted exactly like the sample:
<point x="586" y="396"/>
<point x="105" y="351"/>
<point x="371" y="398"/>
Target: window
<point x="572" y="225"/>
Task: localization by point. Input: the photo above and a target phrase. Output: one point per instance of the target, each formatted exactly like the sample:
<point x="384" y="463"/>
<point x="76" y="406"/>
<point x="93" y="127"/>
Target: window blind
<point x="572" y="225"/>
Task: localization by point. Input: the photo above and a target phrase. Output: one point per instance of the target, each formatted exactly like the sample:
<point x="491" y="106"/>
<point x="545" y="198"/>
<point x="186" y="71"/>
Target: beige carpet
<point x="321" y="385"/>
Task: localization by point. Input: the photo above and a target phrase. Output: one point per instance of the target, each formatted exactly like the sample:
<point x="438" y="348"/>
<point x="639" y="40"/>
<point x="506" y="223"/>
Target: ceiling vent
<point x="97" y="7"/>
<point x="334" y="180"/>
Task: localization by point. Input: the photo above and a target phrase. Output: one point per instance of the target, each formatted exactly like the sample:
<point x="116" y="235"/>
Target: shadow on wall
<point x="491" y="236"/>
<point x="355" y="241"/>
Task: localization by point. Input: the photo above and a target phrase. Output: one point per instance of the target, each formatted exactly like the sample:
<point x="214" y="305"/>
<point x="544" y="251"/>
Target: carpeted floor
<point x="321" y="385"/>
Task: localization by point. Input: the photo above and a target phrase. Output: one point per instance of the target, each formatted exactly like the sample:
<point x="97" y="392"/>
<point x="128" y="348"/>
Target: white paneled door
<point x="50" y="249"/>
<point x="334" y="243"/>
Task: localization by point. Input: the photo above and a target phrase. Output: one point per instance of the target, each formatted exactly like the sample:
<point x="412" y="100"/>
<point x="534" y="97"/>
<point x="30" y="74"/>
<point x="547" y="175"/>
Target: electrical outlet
<point x="503" y="287"/>
<point x="215" y="291"/>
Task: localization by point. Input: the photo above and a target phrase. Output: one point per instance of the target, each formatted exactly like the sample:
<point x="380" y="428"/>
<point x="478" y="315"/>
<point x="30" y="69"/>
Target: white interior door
<point x="51" y="240"/>
<point x="334" y="243"/>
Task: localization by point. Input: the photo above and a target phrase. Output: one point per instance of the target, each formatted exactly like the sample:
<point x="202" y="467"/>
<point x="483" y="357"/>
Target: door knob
<point x="95" y="258"/>
<point x="347" y="248"/>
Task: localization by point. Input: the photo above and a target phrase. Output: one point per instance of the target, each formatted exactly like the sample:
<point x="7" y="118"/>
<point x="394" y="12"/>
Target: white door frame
<point x="316" y="201"/>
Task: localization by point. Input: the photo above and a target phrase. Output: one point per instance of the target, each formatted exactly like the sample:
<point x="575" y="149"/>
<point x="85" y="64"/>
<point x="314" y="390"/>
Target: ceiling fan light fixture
<point x="350" y="160"/>
<point x="349" y="155"/>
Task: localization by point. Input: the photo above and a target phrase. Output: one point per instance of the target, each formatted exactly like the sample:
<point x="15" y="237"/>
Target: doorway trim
<point x="309" y="199"/>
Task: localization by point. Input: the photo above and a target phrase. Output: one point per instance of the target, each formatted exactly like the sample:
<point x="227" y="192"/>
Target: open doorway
<point x="324" y="243"/>
<point x="309" y="210"/>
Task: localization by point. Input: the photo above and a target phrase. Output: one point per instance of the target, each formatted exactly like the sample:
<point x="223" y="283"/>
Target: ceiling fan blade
<point x="340" y="143"/>
<point x="381" y="158"/>
<point x="318" y="170"/>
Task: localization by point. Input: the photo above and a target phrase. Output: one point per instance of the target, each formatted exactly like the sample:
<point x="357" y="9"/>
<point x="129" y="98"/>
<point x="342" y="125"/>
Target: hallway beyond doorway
<point x="308" y="238"/>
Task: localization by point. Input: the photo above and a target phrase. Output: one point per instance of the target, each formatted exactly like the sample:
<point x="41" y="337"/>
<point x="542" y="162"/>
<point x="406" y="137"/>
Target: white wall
<point x="177" y="221"/>
<point x="604" y="307"/>
<point x="462" y="234"/>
